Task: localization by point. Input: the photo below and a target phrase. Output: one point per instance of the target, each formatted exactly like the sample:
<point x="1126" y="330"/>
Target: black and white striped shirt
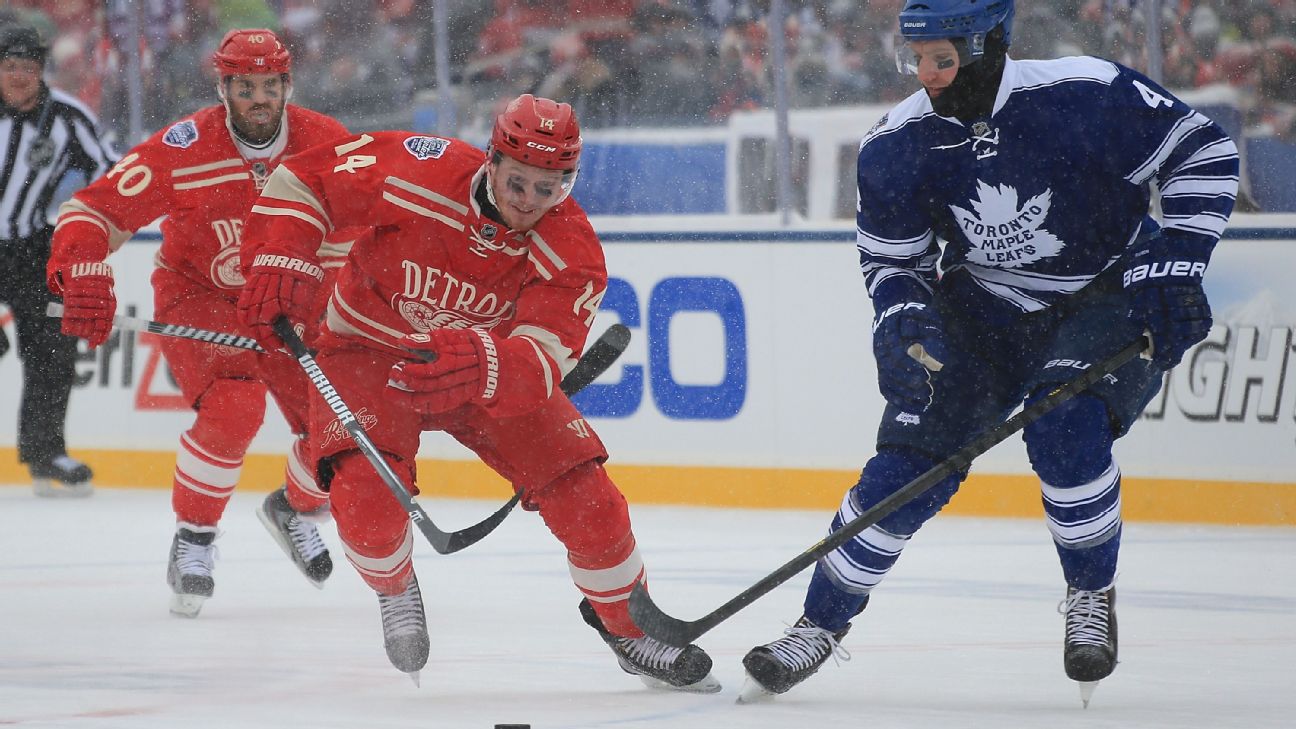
<point x="38" y="147"/>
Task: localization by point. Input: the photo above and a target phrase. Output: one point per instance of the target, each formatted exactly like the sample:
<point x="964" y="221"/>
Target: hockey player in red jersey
<point x="482" y="260"/>
<point x="203" y="173"/>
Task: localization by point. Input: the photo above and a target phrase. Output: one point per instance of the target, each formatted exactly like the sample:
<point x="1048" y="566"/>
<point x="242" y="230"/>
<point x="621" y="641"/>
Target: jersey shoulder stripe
<point x="915" y="108"/>
<point x="1030" y="75"/>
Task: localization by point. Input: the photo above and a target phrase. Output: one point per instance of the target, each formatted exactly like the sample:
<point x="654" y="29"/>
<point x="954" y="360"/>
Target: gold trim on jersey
<point x="554" y="259"/>
<point x="73" y="210"/>
<point x="420" y="210"/>
<point x="408" y="186"/>
<point x="199" y="169"/>
<point x="285" y="185"/>
<point x="291" y="213"/>
<point x="338" y="324"/>
<point x="212" y="181"/>
<point x="550" y="343"/>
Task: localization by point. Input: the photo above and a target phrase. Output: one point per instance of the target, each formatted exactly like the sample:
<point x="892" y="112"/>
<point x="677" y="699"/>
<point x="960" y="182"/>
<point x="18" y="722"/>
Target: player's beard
<point x="971" y="95"/>
<point x="260" y="123"/>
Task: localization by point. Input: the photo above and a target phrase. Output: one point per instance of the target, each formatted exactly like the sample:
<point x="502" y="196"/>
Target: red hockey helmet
<point x="539" y="132"/>
<point x="254" y="50"/>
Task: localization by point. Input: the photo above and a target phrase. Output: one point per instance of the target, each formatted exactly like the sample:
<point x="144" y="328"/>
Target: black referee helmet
<point x="22" y="41"/>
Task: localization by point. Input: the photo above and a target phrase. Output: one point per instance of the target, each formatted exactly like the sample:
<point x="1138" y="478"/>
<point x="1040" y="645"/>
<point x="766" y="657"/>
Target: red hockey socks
<point x="374" y="528"/>
<point x="588" y="514"/>
<point x="210" y="457"/>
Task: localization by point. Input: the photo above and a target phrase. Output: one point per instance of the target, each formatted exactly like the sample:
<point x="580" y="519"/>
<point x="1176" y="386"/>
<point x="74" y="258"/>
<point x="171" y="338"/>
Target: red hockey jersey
<point x="193" y="173"/>
<point x="434" y="260"/>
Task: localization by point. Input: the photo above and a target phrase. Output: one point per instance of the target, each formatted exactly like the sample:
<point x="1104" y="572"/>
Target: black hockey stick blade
<point x="442" y="541"/>
<point x="180" y="331"/>
<point x="680" y="633"/>
<point x="597" y="359"/>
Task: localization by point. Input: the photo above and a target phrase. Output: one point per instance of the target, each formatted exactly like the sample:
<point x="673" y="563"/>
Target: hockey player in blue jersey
<point x="1037" y="176"/>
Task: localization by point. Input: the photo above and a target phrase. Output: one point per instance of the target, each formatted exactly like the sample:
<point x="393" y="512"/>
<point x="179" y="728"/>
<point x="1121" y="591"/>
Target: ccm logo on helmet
<point x="541" y="147"/>
<point x="1161" y="270"/>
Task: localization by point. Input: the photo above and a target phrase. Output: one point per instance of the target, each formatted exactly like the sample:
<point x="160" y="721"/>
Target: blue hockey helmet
<point x="969" y="21"/>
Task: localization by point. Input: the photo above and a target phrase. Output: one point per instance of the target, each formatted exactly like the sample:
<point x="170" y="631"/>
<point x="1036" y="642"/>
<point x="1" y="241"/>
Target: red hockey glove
<point x="278" y="285"/>
<point x="88" y="300"/>
<point x="509" y="376"/>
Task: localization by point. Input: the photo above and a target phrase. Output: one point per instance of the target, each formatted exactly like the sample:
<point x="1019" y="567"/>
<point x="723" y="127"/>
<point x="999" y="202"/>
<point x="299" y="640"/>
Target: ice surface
<point x="964" y="632"/>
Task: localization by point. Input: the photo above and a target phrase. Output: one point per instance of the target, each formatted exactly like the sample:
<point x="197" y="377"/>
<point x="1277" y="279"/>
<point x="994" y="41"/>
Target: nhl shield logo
<point x="489" y="231"/>
<point x="182" y="134"/>
<point x="426" y="147"/>
<point x="259" y="174"/>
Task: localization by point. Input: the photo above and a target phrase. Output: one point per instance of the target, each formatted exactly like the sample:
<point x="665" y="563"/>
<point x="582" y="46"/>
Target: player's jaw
<point x="258" y="123"/>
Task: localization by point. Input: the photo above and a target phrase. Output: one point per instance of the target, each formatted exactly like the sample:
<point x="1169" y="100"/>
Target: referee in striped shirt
<point x="44" y="134"/>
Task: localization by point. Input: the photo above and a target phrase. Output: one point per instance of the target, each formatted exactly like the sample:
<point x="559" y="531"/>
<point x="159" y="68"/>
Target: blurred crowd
<point x="626" y="62"/>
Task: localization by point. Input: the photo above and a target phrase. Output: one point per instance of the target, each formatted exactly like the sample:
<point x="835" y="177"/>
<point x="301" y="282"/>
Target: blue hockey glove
<point x="1167" y="299"/>
<point x="909" y="345"/>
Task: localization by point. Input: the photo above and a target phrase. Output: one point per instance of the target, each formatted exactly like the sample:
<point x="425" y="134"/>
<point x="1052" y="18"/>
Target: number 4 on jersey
<point x="1152" y="98"/>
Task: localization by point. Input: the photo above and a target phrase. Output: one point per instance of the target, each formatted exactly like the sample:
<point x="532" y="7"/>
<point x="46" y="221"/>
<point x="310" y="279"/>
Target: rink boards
<point x="750" y="382"/>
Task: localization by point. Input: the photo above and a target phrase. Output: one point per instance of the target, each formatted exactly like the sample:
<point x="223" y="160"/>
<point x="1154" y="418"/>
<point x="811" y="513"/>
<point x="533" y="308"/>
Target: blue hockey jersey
<point x="1043" y="195"/>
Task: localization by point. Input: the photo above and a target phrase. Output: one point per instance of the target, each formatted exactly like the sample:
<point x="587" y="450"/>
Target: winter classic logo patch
<point x="426" y="147"/>
<point x="181" y="134"/>
<point x="1004" y="234"/>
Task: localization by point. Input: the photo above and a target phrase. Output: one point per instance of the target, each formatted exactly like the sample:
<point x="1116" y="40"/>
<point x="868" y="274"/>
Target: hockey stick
<point x="600" y="356"/>
<point x="606" y="350"/>
<point x="133" y="324"/>
<point x="680" y="633"/>
<point x="597" y="359"/>
<point x="442" y="541"/>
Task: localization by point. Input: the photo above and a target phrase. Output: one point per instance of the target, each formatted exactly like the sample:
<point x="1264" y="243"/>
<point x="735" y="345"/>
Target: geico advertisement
<point x="757" y="354"/>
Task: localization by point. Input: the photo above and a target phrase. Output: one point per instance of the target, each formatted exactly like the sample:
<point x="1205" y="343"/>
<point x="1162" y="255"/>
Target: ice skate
<point x="189" y="570"/>
<point x="297" y="537"/>
<point x="1089" y="653"/>
<point x="657" y="664"/>
<point x="61" y="476"/>
<point x="776" y="667"/>
<point x="405" y="633"/>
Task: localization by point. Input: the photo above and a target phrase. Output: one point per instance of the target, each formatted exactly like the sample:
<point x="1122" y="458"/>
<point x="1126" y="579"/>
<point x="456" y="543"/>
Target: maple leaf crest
<point x="1003" y="233"/>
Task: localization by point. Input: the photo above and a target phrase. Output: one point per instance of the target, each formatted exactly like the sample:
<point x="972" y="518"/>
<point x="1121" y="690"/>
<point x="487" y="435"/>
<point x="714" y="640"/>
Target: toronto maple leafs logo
<point x="1004" y="234"/>
<point x="181" y="134"/>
